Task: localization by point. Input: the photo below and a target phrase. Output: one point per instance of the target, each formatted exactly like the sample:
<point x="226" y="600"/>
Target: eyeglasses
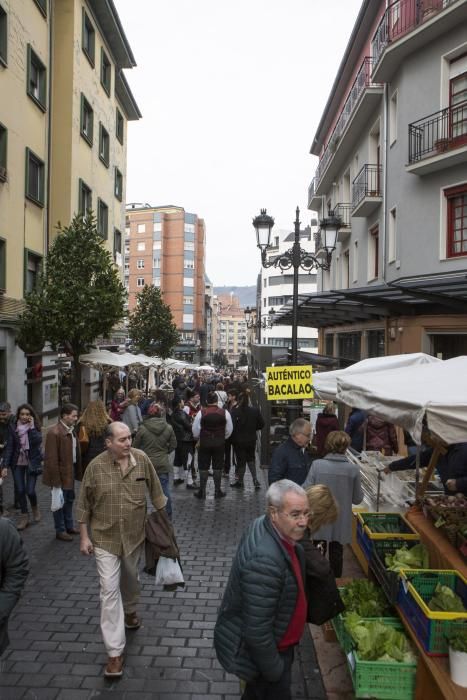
<point x="297" y="514"/>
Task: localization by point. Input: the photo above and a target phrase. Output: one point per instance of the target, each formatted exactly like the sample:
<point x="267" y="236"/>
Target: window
<point x="156" y="245"/>
<point x="141" y="228"/>
<point x="157" y="226"/>
<point x="2" y="264"/>
<point x="35" y="178"/>
<point x="376" y="343"/>
<point x="188" y="282"/>
<point x="156" y="281"/>
<point x="188" y="300"/>
<point x="140" y="264"/>
<point x="457" y="221"/>
<point x="392" y="233"/>
<point x="87" y="120"/>
<point x="3" y="152"/>
<point x="119" y="126"/>
<point x="373" y="253"/>
<point x="84" y="198"/>
<point x="42" y="5"/>
<point x="140" y="282"/>
<point x="88" y="40"/>
<point x="3" y="36"/>
<point x="106" y="72"/>
<point x="118" y="185"/>
<point x="349" y="345"/>
<point x="329" y="344"/>
<point x="393" y="119"/>
<point x="32" y="268"/>
<point x="189" y="245"/>
<point x="189" y="228"/>
<point x="117" y="241"/>
<point x="141" y="246"/>
<point x="457" y="103"/>
<point x="355" y="261"/>
<point x="187" y="318"/>
<point x="156" y="262"/>
<point x="102" y="218"/>
<point x="188" y="264"/>
<point x="345" y="270"/>
<point x="36" y="79"/>
<point x="104" y="144"/>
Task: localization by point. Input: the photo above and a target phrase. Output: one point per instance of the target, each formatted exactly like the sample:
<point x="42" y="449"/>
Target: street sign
<point x="289" y="382"/>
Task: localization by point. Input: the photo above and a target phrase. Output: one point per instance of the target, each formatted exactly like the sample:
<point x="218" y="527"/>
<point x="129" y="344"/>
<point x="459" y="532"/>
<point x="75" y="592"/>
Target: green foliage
<point x="220" y="359"/>
<point x="79" y="296"/>
<point x="243" y="359"/>
<point x="151" y="326"/>
<point x="458" y="638"/>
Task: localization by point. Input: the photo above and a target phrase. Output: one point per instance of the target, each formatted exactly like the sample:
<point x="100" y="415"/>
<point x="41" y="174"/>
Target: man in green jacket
<point x="264" y="608"/>
<point x="14" y="571"/>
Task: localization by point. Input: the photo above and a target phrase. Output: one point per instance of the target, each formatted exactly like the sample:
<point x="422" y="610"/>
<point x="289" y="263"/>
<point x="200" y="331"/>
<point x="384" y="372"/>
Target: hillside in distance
<point x="246" y="294"/>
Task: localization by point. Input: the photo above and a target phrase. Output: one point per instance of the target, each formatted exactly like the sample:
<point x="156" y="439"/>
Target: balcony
<point x="314" y="201"/>
<point x="362" y="99"/>
<point x="367" y="191"/>
<point x="344" y="212"/>
<point x="438" y="141"/>
<point x="407" y="26"/>
<point x="320" y="251"/>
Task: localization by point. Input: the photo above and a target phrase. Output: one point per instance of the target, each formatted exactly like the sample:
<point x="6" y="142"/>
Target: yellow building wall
<point x="22" y="223"/>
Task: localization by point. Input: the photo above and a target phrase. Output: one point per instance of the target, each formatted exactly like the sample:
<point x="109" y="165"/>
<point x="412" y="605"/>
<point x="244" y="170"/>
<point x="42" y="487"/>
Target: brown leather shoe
<point x="64" y="537"/>
<point x="73" y="531"/>
<point x="132" y="621"/>
<point x="114" y="668"/>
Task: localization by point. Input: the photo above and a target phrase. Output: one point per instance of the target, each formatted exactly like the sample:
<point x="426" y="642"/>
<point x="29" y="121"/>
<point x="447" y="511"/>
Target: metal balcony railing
<point x="318" y="241"/>
<point x="437" y="133"/>
<point x="400" y="18"/>
<point x="311" y="191"/>
<point x="366" y="184"/>
<point x="360" y="84"/>
<point x="344" y="212"/>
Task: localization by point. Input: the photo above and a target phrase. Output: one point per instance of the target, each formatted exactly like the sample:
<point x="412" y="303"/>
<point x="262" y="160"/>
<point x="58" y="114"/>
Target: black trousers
<point x="208" y="454"/>
<point x="261" y="689"/>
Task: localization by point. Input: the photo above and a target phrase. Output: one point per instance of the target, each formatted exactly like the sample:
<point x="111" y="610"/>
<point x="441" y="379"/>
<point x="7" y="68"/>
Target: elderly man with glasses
<point x="264" y="609"/>
<point x="291" y="460"/>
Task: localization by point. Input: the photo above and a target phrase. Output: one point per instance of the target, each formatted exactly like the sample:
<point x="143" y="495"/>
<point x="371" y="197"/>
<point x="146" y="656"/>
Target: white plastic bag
<point x="57" y="499"/>
<point x="168" y="572"/>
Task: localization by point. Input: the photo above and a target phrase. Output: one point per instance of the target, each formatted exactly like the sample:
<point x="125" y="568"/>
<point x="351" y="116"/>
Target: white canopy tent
<point x="104" y="360"/>
<point x="403" y="396"/>
<point x="325" y="383"/>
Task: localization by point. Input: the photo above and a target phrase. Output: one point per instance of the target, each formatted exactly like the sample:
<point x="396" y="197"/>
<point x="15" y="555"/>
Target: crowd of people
<point x="146" y="445"/>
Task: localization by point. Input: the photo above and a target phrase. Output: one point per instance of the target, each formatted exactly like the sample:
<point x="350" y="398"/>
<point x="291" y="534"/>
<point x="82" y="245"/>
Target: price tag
<point x="351" y="660"/>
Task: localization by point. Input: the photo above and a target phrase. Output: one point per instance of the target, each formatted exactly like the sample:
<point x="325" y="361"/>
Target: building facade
<point x="64" y="98"/>
<point x="165" y="247"/>
<point x="392" y="148"/>
<point x="231" y="328"/>
<point x="276" y="290"/>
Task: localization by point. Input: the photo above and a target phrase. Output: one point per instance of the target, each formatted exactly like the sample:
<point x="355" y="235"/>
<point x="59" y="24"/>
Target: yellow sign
<point x="289" y="382"/>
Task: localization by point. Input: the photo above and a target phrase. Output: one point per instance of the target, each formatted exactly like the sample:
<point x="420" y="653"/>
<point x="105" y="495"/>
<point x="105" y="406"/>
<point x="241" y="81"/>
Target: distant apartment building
<point x="275" y="290"/>
<point x="231" y="328"/>
<point x="64" y="107"/>
<point x="165" y="247"/>
<point x="392" y="148"/>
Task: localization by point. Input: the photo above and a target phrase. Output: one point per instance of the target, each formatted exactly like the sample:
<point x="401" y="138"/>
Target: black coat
<point x="246" y="421"/>
<point x="181" y="424"/>
<point x="14" y="570"/>
<point x="289" y="461"/>
<point x="13" y="446"/>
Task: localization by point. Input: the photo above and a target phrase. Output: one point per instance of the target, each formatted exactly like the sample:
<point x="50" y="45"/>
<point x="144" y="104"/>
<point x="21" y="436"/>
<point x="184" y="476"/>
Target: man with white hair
<point x="264" y="608"/>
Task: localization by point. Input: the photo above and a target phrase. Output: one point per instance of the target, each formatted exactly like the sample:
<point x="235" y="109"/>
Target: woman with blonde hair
<point x="132" y="414"/>
<point x="343" y="479"/>
<point x="91" y="429"/>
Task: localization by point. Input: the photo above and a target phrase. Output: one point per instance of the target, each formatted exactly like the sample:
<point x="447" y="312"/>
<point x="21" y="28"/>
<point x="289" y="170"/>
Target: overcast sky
<point x="231" y="93"/>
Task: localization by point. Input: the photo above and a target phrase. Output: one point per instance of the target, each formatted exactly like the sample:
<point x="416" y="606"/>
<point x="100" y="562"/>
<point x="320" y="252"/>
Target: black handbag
<point x="324" y="600"/>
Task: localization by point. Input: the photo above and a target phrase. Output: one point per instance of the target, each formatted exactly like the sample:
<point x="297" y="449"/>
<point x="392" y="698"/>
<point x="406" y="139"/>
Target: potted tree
<point x="458" y="655"/>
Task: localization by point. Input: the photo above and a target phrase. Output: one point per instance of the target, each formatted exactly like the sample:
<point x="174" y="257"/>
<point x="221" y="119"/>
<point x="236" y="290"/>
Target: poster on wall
<point x="49" y="395"/>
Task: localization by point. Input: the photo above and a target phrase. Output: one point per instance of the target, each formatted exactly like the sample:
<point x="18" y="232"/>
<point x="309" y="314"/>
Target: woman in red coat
<point x="326" y="422"/>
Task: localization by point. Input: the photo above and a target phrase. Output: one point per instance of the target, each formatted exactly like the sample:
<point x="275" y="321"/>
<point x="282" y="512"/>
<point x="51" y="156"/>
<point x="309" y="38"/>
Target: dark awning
<point x="410" y="296"/>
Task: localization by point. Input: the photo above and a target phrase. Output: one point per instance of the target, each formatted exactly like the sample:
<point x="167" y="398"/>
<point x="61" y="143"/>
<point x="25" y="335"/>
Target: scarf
<point x="22" y="429"/>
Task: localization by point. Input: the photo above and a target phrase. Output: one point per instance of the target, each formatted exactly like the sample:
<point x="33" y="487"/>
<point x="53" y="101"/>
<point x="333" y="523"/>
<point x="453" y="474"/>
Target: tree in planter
<point x="79" y="296"/>
<point x="243" y="359"/>
<point x="151" y="325"/>
<point x="220" y="359"/>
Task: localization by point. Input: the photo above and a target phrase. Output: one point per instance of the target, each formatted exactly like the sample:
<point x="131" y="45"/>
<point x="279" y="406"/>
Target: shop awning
<point x="409" y="296"/>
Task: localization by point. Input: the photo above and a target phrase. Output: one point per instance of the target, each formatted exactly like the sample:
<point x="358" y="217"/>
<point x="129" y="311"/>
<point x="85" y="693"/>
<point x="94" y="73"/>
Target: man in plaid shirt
<point x="112" y="501"/>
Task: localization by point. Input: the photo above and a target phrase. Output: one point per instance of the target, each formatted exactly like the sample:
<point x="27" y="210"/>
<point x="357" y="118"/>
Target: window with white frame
<point x="393" y="118"/>
<point x="373" y="253"/>
<point x="141" y="246"/>
<point x="189" y="245"/>
<point x="355" y="261"/>
<point x="156" y="245"/>
<point x="141" y="228"/>
<point x="189" y="228"/>
<point x="188" y="300"/>
<point x="188" y="282"/>
<point x="187" y="318"/>
<point x="127" y="230"/>
<point x="140" y="264"/>
<point x="156" y="281"/>
<point x="140" y="282"/>
<point x="189" y="264"/>
<point x="392" y="235"/>
<point x="157" y="226"/>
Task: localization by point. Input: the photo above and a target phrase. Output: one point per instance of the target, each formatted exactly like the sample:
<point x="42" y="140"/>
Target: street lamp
<point x="251" y="322"/>
<point x="296" y="258"/>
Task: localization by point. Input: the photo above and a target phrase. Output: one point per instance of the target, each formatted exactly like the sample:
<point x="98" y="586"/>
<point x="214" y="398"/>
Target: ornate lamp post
<point x="296" y="258"/>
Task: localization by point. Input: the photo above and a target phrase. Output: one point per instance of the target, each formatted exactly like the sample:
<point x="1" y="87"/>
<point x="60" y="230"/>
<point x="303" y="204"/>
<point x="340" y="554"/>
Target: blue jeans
<point x="63" y="518"/>
<point x="164" y="479"/>
<point x="25" y="486"/>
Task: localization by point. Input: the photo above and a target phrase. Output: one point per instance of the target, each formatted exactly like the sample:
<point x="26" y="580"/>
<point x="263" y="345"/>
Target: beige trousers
<point x="119" y="594"/>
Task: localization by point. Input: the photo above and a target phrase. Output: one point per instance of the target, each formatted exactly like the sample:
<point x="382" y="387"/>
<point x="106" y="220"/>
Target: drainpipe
<point x="49" y="129"/>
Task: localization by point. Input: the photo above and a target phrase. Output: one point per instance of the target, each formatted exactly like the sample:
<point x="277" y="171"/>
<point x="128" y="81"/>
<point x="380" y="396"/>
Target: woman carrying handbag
<point x="23" y="455"/>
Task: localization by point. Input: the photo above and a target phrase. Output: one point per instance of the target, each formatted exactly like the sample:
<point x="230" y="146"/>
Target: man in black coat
<point x="291" y="460"/>
<point x="14" y="570"/>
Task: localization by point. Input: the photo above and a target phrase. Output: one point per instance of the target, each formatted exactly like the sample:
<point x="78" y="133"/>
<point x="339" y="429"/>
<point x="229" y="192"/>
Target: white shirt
<point x="196" y="427"/>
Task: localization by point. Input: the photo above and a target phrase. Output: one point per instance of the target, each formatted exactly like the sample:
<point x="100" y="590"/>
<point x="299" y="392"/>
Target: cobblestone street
<point x="56" y="650"/>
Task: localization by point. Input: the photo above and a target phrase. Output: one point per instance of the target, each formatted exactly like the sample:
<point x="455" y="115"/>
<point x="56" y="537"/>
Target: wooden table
<point x="442" y="554"/>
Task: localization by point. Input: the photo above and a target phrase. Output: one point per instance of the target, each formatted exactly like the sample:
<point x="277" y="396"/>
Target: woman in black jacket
<point x="246" y="420"/>
<point x="181" y="423"/>
<point x="23" y="455"/>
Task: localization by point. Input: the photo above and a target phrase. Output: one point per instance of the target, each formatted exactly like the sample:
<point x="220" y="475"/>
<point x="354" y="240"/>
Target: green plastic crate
<point x="343" y="637"/>
<point x="382" y="679"/>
